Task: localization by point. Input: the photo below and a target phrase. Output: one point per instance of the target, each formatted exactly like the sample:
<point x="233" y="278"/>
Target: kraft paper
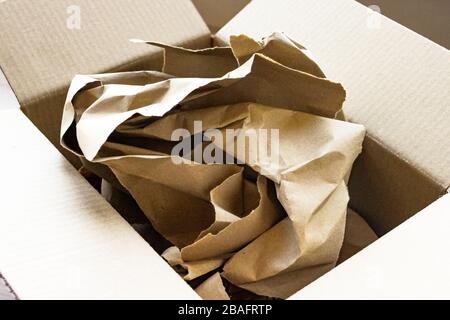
<point x="270" y="227"/>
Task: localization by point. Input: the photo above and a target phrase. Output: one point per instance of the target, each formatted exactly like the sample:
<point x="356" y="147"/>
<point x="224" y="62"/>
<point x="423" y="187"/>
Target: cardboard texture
<point x="397" y="86"/>
<point x="64" y="241"/>
<point x="46" y="45"/>
<point x="275" y="229"/>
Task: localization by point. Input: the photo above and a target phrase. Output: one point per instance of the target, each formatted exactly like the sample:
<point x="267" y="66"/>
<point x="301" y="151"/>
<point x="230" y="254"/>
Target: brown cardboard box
<point x="397" y="84"/>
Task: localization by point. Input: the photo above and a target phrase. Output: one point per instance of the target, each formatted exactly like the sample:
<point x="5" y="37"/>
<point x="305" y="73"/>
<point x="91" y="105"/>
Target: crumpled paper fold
<point x="272" y="227"/>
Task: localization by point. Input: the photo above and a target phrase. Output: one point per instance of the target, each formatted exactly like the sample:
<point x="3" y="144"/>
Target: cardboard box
<point x="397" y="86"/>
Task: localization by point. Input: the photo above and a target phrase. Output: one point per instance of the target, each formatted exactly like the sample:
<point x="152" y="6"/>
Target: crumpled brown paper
<point x="272" y="226"/>
<point x="212" y="289"/>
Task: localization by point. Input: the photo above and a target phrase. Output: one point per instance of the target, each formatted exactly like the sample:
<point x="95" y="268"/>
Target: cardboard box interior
<point x="396" y="81"/>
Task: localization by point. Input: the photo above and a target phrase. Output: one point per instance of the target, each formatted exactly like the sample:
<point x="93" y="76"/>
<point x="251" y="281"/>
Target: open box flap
<point x="411" y="262"/>
<point x="216" y="15"/>
<point x="45" y="43"/>
<point x="59" y="239"/>
<point x="397" y="86"/>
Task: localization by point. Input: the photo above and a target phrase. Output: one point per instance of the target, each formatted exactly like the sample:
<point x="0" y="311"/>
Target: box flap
<point x="404" y="264"/>
<point x="45" y="43"/>
<point x="59" y="239"/>
<point x="397" y="86"/>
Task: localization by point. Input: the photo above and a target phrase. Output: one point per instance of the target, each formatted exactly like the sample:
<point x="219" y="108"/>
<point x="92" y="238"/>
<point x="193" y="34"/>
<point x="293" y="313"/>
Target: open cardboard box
<point x="60" y="239"/>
